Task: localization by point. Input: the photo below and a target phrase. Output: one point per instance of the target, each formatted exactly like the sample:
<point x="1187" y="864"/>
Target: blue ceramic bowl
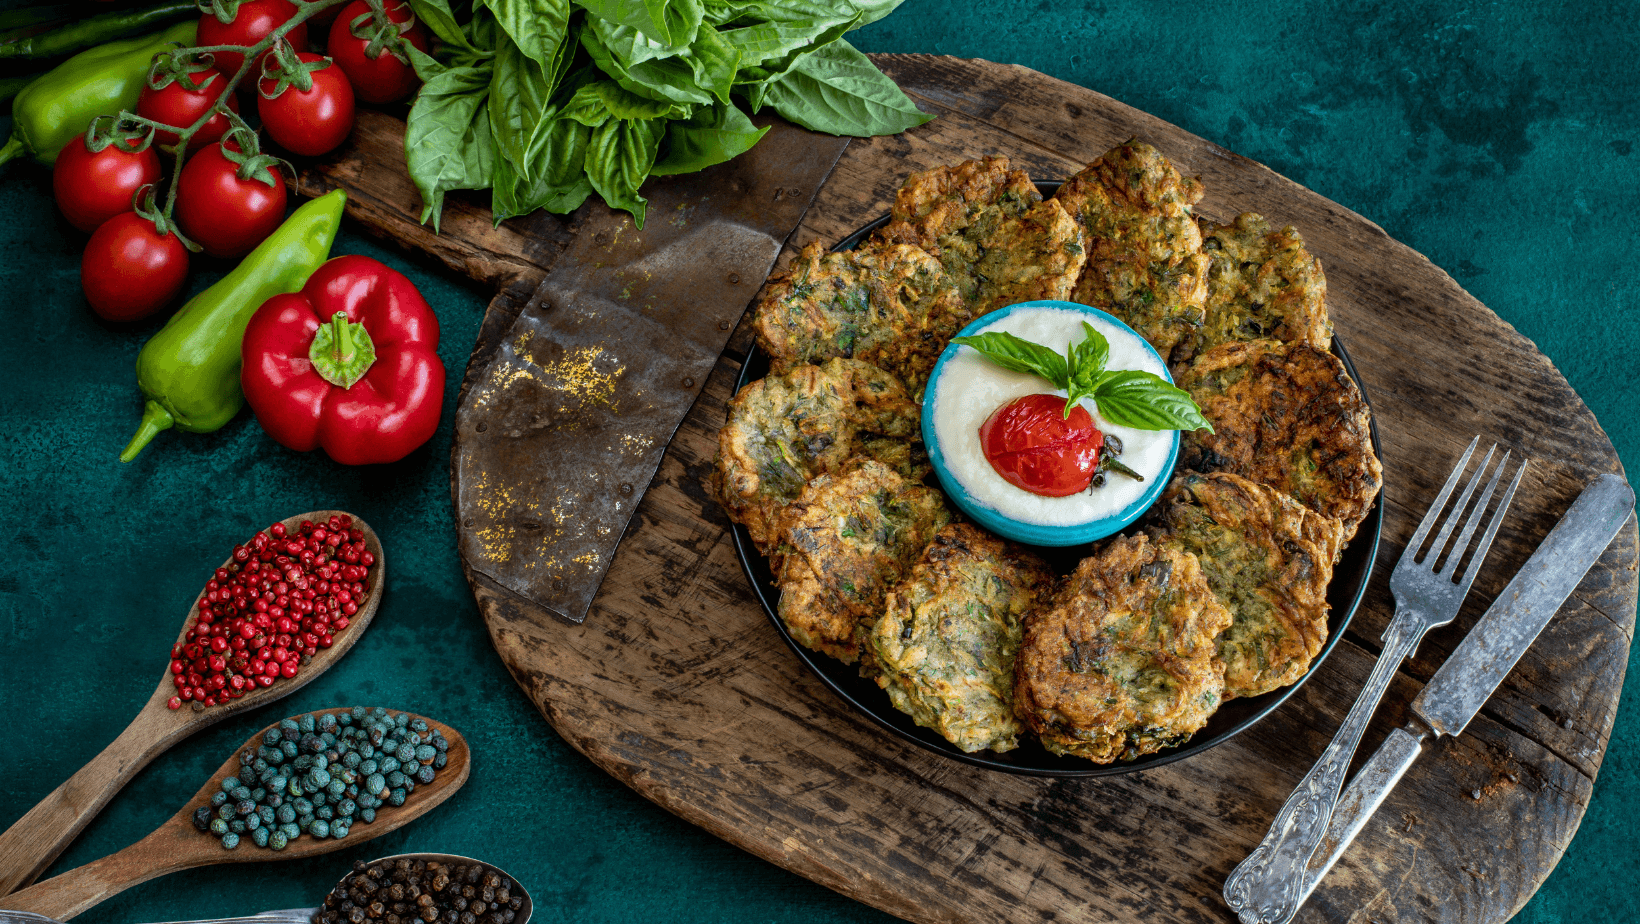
<point x="993" y="519"/>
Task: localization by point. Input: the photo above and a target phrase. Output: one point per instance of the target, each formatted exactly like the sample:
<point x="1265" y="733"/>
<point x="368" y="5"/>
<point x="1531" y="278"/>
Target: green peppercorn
<point x="259" y="837"/>
<point x="229" y="784"/>
<point x="218" y="798"/>
<point x="367" y="815"/>
<point x="396" y="798"/>
<point x="278" y="839"/>
<point x="237" y="826"/>
<point x="218" y="826"/>
<point x="226" y="811"/>
<point x="319" y="828"/>
<point x="230" y="840"/>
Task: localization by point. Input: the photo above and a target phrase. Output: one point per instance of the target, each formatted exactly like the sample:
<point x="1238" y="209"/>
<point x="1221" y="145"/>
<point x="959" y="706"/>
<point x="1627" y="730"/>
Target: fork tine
<point x="1491" y="528"/>
<point x="1458" y="509"/>
<point x="1434" y="511"/>
<point x="1450" y="566"/>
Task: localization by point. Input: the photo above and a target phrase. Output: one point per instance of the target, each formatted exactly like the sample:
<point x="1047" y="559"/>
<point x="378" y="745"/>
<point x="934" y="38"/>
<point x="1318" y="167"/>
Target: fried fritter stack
<point x="1219" y="593"/>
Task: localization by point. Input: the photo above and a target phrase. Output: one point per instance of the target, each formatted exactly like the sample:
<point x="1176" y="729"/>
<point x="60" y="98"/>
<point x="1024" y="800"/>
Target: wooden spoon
<point x="178" y="845"/>
<point x="37" y="838"/>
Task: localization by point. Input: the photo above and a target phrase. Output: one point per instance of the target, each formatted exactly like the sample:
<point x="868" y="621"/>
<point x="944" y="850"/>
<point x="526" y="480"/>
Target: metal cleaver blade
<point x="559" y="437"/>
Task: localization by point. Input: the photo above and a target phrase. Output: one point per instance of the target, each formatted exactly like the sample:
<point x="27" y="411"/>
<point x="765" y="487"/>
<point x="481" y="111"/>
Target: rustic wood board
<point x="677" y="685"/>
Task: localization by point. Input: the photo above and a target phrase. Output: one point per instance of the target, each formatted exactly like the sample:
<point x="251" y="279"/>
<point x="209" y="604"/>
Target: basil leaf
<point x="776" y="45"/>
<point x="668" y="79"/>
<point x="1091" y="355"/>
<point x="438" y="17"/>
<point x="713" y="136"/>
<point x="629" y="45"/>
<point x="873" y="10"/>
<point x="598" y="102"/>
<point x="619" y="155"/>
<point x="1017" y="354"/>
<point x="1145" y="401"/>
<point x="520" y="94"/>
<point x="539" y="27"/>
<point x="837" y="90"/>
<point x="447" y="141"/>
<point x="670" y="22"/>
<point x="559" y="183"/>
<point x="714" y="63"/>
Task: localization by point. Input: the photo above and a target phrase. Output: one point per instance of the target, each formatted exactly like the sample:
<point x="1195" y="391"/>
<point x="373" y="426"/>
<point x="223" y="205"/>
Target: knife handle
<point x="1365" y="794"/>
<point x="1266" y="887"/>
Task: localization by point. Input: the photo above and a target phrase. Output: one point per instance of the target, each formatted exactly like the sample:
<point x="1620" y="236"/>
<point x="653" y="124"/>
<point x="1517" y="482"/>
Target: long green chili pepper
<point x="189" y="371"/>
<point x="98" y="29"/>
<point x="99" y="81"/>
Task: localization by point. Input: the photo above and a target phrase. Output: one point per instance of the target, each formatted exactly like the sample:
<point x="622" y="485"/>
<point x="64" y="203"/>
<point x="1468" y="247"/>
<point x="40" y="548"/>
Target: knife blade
<point x="558" y="439"/>
<point x="1481" y="662"/>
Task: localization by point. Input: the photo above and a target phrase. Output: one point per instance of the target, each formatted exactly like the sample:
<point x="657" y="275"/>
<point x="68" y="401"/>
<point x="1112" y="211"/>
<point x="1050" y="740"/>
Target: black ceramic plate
<point x="1349" y="582"/>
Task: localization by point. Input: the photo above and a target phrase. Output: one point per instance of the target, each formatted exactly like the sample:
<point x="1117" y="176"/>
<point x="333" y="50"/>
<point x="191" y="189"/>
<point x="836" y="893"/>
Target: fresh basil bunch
<point x="545" y="102"/>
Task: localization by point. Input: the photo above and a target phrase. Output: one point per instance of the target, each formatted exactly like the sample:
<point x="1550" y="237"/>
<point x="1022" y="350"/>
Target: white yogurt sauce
<point x="970" y="388"/>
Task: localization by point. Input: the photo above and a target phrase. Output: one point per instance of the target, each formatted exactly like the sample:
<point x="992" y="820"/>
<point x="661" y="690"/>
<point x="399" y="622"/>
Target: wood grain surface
<point x="677" y="685"/>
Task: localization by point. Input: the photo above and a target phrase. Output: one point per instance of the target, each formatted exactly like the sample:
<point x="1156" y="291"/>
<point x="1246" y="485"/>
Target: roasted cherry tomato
<point x="94" y="187"/>
<point x="251" y="24"/>
<point x="311" y="121"/>
<point x="226" y="214"/>
<point x="175" y="104"/>
<point x="384" y="78"/>
<point x="130" y="270"/>
<point x="1033" y="446"/>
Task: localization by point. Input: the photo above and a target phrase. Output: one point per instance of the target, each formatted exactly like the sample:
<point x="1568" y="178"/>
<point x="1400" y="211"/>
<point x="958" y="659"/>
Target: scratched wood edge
<point x="385" y="212"/>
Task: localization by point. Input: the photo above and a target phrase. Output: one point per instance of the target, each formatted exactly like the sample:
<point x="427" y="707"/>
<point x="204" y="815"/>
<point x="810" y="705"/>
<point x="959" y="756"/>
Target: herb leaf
<point x="712" y="136"/>
<point x="1145" y="401"/>
<point x="539" y="27"/>
<point x="1019" y="355"/>
<point x="837" y="90"/>
<point x="619" y="155"/>
<point x="447" y="141"/>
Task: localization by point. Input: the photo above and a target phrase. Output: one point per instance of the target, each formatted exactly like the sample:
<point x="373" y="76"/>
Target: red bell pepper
<point x="349" y="363"/>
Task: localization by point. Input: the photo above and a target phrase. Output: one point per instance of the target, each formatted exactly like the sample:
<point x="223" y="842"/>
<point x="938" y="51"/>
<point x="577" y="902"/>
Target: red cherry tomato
<point x="313" y="121"/>
<point x="383" y="79"/>
<point x="175" y="104"/>
<point x="251" y="24"/>
<point x="92" y="188"/>
<point x="224" y="214"/>
<point x="1033" y="446"/>
<point x="130" y="270"/>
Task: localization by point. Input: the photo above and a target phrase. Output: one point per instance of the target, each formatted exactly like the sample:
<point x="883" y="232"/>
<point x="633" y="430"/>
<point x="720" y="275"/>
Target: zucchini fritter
<point x="1263" y="285"/>
<point x="784" y="430"/>
<point x="1145" y="263"/>
<point x="988" y="226"/>
<point x="1268" y="559"/>
<point x="890" y="305"/>
<point x="944" y="648"/>
<point x="1289" y="416"/>
<point x="1122" y="661"/>
<point x="845" y="541"/>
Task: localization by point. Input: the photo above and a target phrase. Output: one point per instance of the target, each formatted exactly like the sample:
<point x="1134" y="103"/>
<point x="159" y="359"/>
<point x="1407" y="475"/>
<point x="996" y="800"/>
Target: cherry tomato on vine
<point x="384" y="78"/>
<point x="254" y="21"/>
<point x="222" y="213"/>
<point x="1033" y="446"/>
<point x="93" y="187"/>
<point x="130" y="270"/>
<point x="311" y="121"/>
<point x="175" y="104"/>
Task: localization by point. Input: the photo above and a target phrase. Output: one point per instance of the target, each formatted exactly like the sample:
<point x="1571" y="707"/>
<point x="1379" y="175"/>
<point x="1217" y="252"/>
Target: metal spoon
<point x="305" y="915"/>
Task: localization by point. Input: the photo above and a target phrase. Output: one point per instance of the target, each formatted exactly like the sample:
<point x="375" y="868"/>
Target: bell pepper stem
<point x="343" y="349"/>
<point x="154" y="419"/>
<point x="13" y="149"/>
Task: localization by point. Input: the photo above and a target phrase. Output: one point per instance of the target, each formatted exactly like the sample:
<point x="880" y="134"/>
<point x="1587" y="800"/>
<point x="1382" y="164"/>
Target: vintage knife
<point x="1483" y="659"/>
<point x="559" y="437"/>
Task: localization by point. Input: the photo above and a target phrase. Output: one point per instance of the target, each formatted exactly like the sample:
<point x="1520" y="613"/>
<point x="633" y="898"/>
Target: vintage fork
<point x="1265" y="888"/>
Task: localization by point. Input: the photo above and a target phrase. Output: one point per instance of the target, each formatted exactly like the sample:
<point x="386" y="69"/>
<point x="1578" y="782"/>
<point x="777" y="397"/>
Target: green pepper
<point x="49" y="112"/>
<point x="189" y="371"/>
<point x="95" y="30"/>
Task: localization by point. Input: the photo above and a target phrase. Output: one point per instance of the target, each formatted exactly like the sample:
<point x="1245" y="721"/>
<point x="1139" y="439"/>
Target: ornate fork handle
<point x="1267" y="887"/>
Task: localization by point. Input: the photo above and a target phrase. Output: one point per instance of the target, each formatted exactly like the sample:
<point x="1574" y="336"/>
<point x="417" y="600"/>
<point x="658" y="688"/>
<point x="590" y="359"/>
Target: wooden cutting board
<point x="678" y="686"/>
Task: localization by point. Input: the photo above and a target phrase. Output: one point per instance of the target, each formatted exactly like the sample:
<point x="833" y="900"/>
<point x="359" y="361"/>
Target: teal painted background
<point x="1498" y="139"/>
